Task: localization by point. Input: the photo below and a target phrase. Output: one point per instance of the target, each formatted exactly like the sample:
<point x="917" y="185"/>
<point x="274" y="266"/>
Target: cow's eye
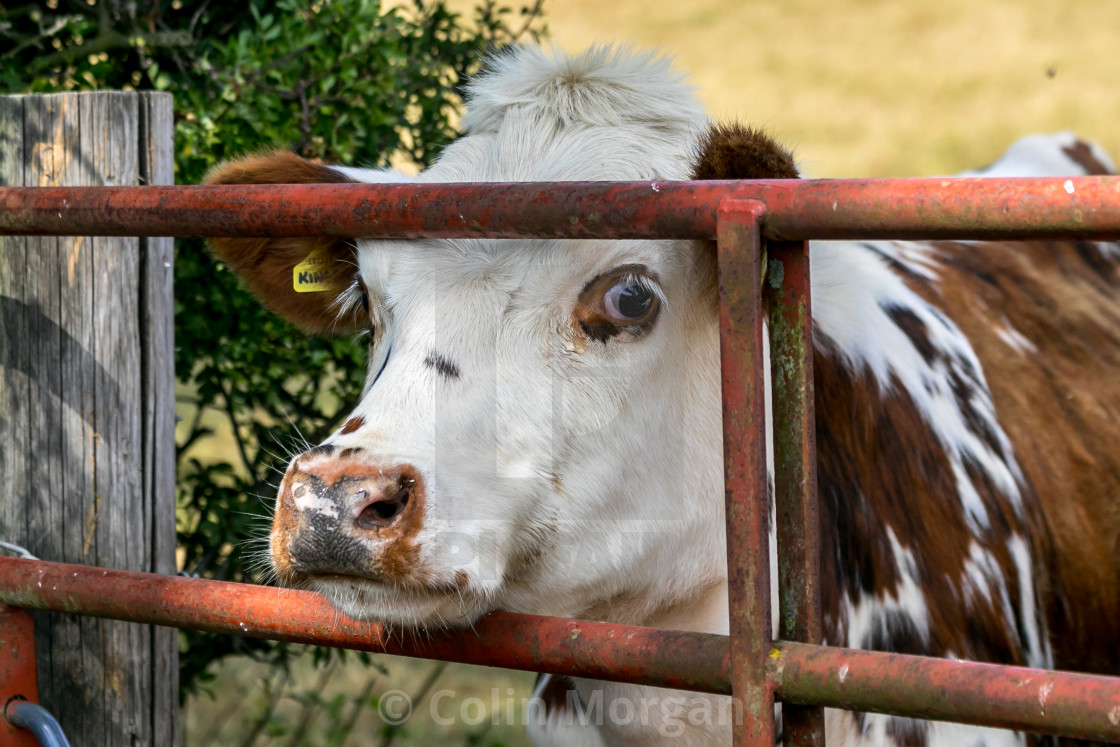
<point x="621" y="304"/>
<point x="628" y="301"/>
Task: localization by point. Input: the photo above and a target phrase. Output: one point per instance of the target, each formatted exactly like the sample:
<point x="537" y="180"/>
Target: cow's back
<point x="1044" y="318"/>
<point x="968" y="415"/>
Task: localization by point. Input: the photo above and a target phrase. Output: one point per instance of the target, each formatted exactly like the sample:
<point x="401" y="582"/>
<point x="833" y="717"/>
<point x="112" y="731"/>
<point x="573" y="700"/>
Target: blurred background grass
<point x="881" y="87"/>
<point x="856" y="88"/>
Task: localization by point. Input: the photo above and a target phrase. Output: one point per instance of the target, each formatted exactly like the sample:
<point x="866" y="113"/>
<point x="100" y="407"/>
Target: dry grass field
<point x="856" y="88"/>
<point x="881" y="87"/>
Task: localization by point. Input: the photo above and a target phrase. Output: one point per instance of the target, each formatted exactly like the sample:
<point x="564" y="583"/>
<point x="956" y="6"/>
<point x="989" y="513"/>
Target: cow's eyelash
<point x="646" y="283"/>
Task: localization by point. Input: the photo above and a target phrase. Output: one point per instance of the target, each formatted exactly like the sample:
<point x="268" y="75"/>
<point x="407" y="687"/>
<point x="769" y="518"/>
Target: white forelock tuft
<point x="605" y="85"/>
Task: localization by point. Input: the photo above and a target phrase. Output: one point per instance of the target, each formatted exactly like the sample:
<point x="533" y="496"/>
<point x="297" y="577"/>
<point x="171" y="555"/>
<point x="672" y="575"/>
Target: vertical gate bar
<point x="787" y="297"/>
<point x="18" y="675"/>
<point x="744" y="452"/>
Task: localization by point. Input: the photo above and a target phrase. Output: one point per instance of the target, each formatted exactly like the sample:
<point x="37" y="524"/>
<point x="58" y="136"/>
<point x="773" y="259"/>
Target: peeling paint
<point x="1044" y="694"/>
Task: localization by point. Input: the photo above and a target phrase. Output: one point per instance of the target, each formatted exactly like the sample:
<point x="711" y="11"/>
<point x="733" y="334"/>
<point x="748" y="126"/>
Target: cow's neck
<point x="703" y="612"/>
<point x="663" y="713"/>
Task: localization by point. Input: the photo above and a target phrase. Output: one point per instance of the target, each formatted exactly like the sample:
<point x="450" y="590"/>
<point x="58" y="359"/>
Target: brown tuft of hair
<point x="266" y="264"/>
<point x="734" y="151"/>
<point x="273" y="167"/>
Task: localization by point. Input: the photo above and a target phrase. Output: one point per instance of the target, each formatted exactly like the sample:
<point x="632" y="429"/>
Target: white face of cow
<point x="540" y="426"/>
<point x="534" y="398"/>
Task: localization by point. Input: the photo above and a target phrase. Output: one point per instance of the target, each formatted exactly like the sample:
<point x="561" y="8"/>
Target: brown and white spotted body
<point x="540" y="428"/>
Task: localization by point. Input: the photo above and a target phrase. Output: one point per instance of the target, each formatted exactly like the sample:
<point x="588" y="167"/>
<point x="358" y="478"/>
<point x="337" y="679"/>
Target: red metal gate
<point x="751" y="664"/>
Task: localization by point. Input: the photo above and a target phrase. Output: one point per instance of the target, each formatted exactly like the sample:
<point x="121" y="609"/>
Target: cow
<point x="540" y="428"/>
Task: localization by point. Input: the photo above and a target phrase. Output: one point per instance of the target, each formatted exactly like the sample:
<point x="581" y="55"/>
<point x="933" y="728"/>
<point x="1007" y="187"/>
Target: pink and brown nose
<point x="338" y="513"/>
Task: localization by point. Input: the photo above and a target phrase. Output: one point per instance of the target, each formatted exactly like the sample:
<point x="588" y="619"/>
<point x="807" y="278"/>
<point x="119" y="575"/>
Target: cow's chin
<point x="420" y="607"/>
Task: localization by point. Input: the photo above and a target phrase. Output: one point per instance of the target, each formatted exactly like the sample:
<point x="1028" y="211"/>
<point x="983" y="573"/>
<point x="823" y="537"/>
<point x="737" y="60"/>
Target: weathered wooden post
<point x="87" y="457"/>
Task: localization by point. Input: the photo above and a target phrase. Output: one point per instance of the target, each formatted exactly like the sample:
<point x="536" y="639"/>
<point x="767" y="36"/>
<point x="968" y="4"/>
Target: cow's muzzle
<point x="341" y="514"/>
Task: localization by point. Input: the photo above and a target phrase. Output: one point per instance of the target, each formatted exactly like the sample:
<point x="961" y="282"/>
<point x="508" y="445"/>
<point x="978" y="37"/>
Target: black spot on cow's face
<point x="445" y="367"/>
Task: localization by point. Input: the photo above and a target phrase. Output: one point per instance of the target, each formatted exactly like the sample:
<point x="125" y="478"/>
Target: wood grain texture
<point x="87" y="405"/>
<point x="157" y="166"/>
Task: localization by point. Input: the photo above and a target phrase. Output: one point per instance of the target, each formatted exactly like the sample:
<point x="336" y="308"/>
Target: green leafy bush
<point x="348" y="81"/>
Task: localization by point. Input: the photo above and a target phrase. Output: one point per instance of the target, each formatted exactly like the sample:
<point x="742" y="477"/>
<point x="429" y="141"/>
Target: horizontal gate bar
<point x="1032" y="700"/>
<point x="1076" y="705"/>
<point x="688" y="661"/>
<point x="974" y="208"/>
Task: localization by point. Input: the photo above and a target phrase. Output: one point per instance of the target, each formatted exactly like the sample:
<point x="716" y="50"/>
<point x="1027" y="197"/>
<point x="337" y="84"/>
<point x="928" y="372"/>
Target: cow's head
<point x="540" y="426"/>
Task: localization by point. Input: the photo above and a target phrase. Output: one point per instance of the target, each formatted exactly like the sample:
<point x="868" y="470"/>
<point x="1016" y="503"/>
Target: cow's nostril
<point x="383" y="510"/>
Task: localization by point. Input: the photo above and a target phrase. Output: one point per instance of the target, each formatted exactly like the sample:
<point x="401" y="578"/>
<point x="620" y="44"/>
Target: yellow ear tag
<point x="310" y="275"/>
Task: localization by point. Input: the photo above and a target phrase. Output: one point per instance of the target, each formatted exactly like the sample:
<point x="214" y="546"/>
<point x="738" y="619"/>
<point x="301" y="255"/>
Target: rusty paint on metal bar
<point x="1077" y="705"/>
<point x="974" y="208"/>
<point x="787" y="295"/>
<point x="18" y="678"/>
<point x="622" y="653"/>
<point x="739" y="254"/>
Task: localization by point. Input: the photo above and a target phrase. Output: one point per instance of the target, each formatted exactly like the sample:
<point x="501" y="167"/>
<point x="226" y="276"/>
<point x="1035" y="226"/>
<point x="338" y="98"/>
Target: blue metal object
<point x="37" y="720"/>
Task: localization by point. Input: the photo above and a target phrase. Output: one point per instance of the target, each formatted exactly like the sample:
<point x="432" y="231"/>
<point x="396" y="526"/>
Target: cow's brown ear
<point x="732" y="151"/>
<point x="301" y="279"/>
